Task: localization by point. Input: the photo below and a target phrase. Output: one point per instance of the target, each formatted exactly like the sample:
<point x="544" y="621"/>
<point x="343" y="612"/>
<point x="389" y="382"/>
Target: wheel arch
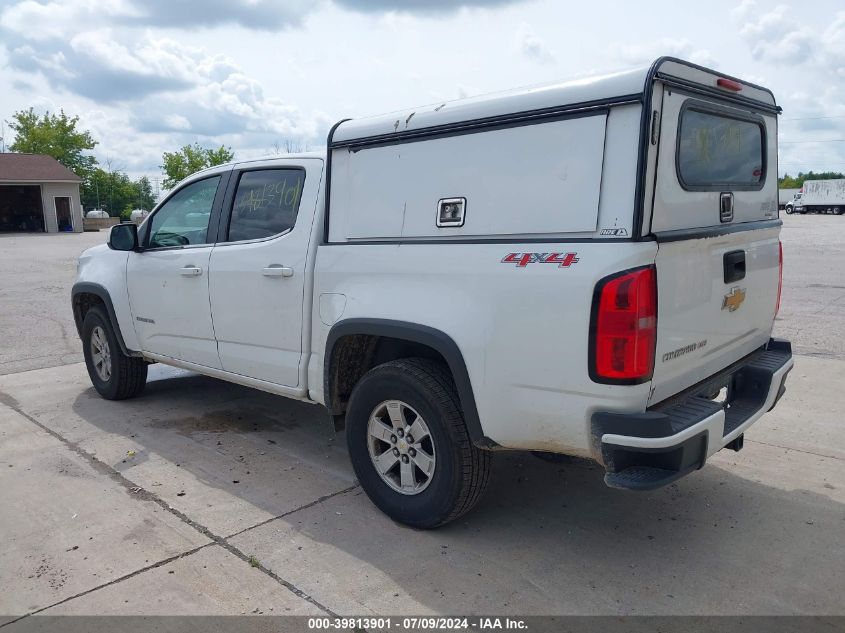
<point x="84" y="296"/>
<point x="356" y="343"/>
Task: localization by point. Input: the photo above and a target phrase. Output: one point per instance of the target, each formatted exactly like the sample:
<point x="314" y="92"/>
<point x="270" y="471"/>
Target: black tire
<point x="128" y="374"/>
<point x="788" y="210"/>
<point x="461" y="469"/>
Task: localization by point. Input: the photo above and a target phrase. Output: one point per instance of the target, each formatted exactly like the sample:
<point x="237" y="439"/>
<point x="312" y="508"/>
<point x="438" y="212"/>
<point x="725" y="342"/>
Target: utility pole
<point x="111" y="181"/>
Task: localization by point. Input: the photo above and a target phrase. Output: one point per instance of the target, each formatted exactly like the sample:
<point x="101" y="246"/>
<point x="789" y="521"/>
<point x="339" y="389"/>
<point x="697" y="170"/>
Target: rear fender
<point x="424" y="335"/>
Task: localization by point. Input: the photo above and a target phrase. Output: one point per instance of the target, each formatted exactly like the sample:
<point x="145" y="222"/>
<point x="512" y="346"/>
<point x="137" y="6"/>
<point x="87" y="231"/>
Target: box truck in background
<point x="819" y="196"/>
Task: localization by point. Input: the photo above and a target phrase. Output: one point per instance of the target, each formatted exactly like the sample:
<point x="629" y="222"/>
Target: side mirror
<point x="123" y="237"/>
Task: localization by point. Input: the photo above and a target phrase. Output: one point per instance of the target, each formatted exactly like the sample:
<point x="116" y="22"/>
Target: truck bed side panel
<point x="523" y="330"/>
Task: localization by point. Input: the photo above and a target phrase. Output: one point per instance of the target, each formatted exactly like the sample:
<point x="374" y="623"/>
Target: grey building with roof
<point x="38" y="194"/>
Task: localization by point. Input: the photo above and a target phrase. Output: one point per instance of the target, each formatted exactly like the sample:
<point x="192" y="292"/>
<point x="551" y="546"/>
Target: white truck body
<point x="484" y="235"/>
<point x="823" y="194"/>
<point x="819" y="196"/>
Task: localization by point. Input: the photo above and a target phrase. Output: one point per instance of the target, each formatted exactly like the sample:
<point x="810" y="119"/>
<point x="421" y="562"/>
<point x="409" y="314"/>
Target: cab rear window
<point x="716" y="151"/>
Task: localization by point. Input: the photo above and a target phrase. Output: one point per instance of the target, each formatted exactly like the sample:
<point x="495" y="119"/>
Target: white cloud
<point x="177" y="122"/>
<point x="774" y="37"/>
<point x="50" y="63"/>
<point x="640" y="54"/>
<point x="206" y="93"/>
<point x="38" y="21"/>
<point x="833" y="46"/>
<point x="420" y="6"/>
<point x="532" y="46"/>
<point x="814" y="99"/>
<point x="101" y="48"/>
<point x="55" y="19"/>
<point x="744" y="9"/>
<point x="150" y="76"/>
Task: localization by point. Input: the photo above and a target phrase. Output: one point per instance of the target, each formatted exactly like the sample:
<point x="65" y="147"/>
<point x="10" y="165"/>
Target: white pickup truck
<point x="590" y="268"/>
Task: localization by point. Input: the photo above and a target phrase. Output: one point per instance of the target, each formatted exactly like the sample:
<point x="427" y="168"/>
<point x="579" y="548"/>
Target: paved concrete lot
<point x="202" y="497"/>
<point x="36" y="273"/>
<point x="812" y="313"/>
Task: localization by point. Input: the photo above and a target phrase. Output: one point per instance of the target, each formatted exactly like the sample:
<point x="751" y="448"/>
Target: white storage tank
<point x="138" y="215"/>
<point x="97" y="213"/>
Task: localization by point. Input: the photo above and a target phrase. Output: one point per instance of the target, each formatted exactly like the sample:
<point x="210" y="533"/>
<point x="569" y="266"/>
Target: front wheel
<point x="114" y="375"/>
<point x="788" y="210"/>
<point x="409" y="444"/>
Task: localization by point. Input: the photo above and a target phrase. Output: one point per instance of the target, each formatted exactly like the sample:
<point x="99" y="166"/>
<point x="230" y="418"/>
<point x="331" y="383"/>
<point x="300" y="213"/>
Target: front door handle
<point x="190" y="271"/>
<point x="275" y="270"/>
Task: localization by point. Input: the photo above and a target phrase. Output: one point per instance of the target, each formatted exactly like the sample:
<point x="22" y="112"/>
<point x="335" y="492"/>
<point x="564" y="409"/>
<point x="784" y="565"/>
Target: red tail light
<point x="780" y="275"/>
<point x="729" y="84"/>
<point x="624" y="327"/>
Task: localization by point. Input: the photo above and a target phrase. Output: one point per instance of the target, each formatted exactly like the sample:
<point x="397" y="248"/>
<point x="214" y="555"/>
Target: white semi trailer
<point x="785" y="196"/>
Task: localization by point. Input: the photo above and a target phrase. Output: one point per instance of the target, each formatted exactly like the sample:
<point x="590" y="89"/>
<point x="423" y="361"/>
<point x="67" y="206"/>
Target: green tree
<point x="191" y="159"/>
<point x="796" y="182"/>
<point x="93" y="190"/>
<point x="116" y="193"/>
<point x="55" y="135"/>
<point x="145" y="197"/>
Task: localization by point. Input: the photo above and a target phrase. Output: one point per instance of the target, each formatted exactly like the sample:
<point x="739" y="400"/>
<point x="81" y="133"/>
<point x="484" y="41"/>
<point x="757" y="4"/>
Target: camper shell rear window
<point x="719" y="149"/>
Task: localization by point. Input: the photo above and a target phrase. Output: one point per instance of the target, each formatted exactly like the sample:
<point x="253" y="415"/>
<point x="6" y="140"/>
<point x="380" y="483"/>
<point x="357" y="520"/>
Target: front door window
<point x="183" y="219"/>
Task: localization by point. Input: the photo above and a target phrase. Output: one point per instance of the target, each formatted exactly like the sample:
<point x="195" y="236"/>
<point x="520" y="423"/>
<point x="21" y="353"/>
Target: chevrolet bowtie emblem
<point x="733" y="299"/>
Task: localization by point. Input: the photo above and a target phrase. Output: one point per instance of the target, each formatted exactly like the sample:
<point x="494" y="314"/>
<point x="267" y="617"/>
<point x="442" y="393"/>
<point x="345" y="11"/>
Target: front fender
<point x="102" y="272"/>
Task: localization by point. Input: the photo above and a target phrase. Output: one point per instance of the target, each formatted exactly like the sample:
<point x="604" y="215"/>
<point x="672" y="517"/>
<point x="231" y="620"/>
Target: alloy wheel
<point x="401" y="447"/>
<point x="100" y="353"/>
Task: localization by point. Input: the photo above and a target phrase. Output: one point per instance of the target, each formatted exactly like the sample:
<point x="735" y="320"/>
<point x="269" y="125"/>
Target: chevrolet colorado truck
<point x="590" y="268"/>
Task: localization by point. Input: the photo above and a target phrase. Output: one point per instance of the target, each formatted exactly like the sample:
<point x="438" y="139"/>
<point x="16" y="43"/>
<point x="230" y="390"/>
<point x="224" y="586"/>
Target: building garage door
<point x="21" y="208"/>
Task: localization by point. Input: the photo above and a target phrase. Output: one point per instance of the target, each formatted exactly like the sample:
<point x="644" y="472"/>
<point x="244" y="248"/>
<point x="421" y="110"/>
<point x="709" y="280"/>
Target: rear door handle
<point x="275" y="270"/>
<point x="190" y="271"/>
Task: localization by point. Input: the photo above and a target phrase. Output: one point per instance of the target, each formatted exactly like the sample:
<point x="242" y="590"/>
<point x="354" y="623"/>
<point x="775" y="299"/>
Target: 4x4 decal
<point x="563" y="260"/>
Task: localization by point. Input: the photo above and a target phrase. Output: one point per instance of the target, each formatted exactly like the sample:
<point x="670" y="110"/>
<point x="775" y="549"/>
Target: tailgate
<point x="703" y="323"/>
<point x="714" y="217"/>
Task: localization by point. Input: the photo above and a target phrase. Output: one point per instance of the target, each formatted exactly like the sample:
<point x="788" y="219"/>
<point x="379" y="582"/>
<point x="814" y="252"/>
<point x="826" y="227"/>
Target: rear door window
<point x="718" y="151"/>
<point x="266" y="203"/>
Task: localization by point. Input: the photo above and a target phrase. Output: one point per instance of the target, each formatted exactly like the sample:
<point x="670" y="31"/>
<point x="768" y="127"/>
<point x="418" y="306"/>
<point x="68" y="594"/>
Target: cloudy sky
<point x="147" y="76"/>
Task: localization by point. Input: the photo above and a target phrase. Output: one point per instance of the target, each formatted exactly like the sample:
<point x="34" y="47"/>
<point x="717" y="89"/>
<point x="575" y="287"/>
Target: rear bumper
<point x="643" y="451"/>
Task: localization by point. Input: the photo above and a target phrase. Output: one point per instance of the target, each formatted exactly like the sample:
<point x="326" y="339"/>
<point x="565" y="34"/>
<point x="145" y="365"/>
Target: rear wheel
<point x="409" y="444"/>
<point x="114" y="375"/>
